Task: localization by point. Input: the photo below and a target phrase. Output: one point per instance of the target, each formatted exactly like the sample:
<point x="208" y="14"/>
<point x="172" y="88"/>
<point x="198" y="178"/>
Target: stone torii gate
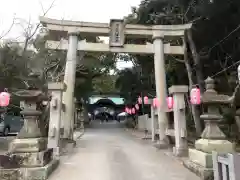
<point x="73" y="35"/>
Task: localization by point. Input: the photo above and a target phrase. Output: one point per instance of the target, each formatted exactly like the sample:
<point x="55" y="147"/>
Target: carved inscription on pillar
<point x="116" y="38"/>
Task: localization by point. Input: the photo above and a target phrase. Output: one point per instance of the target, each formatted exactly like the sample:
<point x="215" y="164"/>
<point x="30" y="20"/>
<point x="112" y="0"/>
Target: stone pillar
<point x="161" y="87"/>
<point x="81" y="119"/>
<point x="212" y="138"/>
<point x="74" y="124"/>
<point x="56" y="90"/>
<point x="154" y="123"/>
<point x="30" y="147"/>
<point x="69" y="80"/>
<point x="181" y="145"/>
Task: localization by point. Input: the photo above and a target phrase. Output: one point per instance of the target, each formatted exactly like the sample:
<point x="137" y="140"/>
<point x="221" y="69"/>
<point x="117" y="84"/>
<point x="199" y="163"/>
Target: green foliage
<point x="14" y="65"/>
<point x="215" y="33"/>
<point x="104" y="83"/>
<point x="129" y="84"/>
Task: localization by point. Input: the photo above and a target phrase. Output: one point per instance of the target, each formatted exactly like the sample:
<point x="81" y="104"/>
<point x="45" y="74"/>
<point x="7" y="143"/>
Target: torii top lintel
<point x="103" y="29"/>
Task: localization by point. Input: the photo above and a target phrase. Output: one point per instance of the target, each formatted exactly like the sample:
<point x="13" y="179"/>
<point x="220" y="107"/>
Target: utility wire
<point x="223" y="39"/>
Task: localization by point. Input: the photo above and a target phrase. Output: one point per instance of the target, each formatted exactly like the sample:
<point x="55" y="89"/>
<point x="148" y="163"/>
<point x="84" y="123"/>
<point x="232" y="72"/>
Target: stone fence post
<point x="181" y="145"/>
<point x="56" y="90"/>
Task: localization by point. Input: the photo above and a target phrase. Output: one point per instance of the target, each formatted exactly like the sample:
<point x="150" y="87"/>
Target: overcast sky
<point x="81" y="10"/>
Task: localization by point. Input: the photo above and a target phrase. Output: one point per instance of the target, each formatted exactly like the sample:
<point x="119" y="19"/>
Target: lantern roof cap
<point x="178" y="89"/>
<point x="210" y="96"/>
<point x="34" y="95"/>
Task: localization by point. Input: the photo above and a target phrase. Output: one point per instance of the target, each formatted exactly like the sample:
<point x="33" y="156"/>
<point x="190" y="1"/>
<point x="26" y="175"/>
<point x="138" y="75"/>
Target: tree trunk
<point x="193" y="108"/>
<point x="196" y="59"/>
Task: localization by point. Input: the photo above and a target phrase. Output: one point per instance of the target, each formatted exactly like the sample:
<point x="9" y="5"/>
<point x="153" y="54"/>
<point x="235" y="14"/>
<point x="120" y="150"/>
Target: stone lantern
<point x="30" y="146"/>
<point x="212" y="138"/>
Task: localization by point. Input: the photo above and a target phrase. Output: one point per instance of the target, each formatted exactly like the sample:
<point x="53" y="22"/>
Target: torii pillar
<point x="161" y="87"/>
<point x="69" y="80"/>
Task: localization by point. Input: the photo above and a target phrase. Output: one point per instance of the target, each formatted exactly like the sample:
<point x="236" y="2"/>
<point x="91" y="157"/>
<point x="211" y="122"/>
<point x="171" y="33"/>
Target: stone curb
<point x="78" y="134"/>
<point x="139" y="135"/>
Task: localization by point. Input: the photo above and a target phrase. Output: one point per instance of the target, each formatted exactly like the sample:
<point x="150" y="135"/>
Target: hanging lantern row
<point x="145" y="100"/>
<point x="155" y="101"/>
<point x="169" y="100"/>
<point x="195" y="99"/>
<point x="130" y="110"/>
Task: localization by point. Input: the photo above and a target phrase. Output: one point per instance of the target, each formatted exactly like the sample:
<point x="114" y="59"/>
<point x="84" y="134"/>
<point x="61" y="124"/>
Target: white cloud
<point x="88" y="10"/>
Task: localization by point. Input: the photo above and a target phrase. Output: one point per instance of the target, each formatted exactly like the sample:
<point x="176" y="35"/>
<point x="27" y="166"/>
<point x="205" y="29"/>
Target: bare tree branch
<point x="9" y="29"/>
<point x="29" y="32"/>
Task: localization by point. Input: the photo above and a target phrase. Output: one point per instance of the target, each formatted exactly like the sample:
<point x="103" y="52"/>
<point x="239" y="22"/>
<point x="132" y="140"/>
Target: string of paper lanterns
<point x="195" y="98"/>
<point x="156" y="103"/>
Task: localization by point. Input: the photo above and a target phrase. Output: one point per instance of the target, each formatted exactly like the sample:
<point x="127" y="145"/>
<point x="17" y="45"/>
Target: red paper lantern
<point x="133" y="111"/>
<point x="137" y="106"/>
<point x="4" y="99"/>
<point x="145" y="100"/>
<point x="170" y="102"/>
<point x="139" y="100"/>
<point x="195" y="96"/>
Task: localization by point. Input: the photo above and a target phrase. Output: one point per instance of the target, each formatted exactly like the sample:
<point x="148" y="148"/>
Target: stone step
<point x="35" y="159"/>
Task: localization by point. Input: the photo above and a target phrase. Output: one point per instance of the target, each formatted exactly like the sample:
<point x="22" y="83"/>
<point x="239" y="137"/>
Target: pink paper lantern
<point x="129" y="111"/>
<point x="133" y="111"/>
<point x="145" y="100"/>
<point x="139" y="100"/>
<point x="4" y="99"/>
<point x="137" y="106"/>
<point x="170" y="102"/>
<point x="155" y="103"/>
<point x="195" y="96"/>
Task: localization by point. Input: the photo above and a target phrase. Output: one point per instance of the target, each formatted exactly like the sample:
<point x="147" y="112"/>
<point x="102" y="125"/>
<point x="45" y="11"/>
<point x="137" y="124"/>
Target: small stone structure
<point x="180" y="129"/>
<point x="154" y="124"/>
<point x="212" y="138"/>
<point x="35" y="160"/>
<point x="226" y="166"/>
<point x="56" y="90"/>
<point x="144" y="123"/>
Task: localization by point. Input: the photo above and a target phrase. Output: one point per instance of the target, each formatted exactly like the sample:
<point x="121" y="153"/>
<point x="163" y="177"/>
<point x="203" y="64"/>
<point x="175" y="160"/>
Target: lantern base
<point x="28" y="145"/>
<point x="200" y="163"/>
<point x="208" y="145"/>
<point x="163" y="144"/>
<point x="202" y="172"/>
<point x="200" y="159"/>
<point x="180" y="152"/>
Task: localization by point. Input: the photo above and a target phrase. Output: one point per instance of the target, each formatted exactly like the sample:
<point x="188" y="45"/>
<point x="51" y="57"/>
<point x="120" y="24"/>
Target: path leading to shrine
<point x="107" y="152"/>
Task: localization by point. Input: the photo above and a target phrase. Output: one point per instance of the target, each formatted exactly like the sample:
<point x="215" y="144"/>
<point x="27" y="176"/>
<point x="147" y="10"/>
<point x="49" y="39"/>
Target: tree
<point x="212" y="40"/>
<point x="128" y="84"/>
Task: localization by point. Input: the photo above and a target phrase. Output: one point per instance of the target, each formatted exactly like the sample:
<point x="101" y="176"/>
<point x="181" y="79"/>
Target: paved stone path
<point x="107" y="152"/>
